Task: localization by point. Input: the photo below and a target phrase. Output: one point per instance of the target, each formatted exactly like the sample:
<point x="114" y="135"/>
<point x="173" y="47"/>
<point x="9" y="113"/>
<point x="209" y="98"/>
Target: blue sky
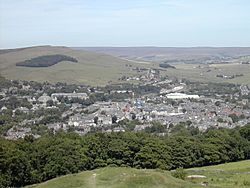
<point x="124" y="23"/>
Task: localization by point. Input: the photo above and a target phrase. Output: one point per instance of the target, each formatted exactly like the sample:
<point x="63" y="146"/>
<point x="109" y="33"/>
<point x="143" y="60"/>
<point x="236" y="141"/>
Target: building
<point x="84" y="96"/>
<point x="44" y="98"/>
<point x="181" y="96"/>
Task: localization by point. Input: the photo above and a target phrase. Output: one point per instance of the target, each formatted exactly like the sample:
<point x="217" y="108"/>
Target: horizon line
<point x="110" y="46"/>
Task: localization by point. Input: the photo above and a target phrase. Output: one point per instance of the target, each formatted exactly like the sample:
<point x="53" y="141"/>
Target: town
<point x="155" y="105"/>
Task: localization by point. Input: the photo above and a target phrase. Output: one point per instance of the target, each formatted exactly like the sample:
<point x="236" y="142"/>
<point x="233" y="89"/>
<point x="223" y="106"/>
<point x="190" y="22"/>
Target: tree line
<point x="28" y="161"/>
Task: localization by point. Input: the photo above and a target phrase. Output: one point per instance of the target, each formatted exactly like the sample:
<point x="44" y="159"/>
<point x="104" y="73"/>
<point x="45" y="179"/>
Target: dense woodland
<point x="46" y="61"/>
<point x="165" y="65"/>
<point x="27" y="161"/>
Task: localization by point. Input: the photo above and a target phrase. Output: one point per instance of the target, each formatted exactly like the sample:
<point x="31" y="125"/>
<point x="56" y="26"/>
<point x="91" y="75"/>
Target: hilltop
<point x="228" y="175"/>
<point x="159" y="54"/>
<point x="117" y="177"/>
<point x="92" y="68"/>
<point x="101" y="66"/>
<point x="203" y="64"/>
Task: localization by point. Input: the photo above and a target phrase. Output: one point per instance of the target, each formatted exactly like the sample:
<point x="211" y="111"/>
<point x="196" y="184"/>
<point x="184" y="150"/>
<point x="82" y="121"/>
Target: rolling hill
<point x="117" y="178"/>
<point x="189" y="62"/>
<point x="96" y="68"/>
<point x="91" y="68"/>
<point x="159" y="54"/>
<point x="228" y="175"/>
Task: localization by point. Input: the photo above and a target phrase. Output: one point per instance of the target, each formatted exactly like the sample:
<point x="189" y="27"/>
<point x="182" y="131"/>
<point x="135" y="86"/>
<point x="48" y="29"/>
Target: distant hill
<point x="97" y="68"/>
<point x="117" y="178"/>
<point x="160" y="54"/>
<point x="92" y="68"/>
<point x="12" y="50"/>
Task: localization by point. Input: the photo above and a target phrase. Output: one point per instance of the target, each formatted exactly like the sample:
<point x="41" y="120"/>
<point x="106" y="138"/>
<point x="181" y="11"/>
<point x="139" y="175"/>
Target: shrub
<point x="179" y="173"/>
<point x="246" y="183"/>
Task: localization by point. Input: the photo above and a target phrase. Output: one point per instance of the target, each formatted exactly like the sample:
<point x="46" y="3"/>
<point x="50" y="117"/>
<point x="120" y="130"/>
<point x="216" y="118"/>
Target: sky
<point x="172" y="23"/>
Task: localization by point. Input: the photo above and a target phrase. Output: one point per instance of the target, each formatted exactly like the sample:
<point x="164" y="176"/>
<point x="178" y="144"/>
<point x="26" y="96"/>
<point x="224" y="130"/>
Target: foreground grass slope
<point x="229" y="175"/>
<point x="117" y="178"/>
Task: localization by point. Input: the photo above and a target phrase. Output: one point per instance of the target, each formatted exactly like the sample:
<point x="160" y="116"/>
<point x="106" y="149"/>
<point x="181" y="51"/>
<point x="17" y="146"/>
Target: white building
<point x="181" y="96"/>
<point x="54" y="96"/>
<point x="44" y="98"/>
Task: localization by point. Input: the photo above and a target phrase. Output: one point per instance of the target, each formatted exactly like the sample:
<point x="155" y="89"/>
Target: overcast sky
<point x="124" y="23"/>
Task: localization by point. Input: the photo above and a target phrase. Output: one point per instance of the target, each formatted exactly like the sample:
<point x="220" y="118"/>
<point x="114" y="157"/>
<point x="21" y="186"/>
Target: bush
<point x="179" y="173"/>
<point x="246" y="183"/>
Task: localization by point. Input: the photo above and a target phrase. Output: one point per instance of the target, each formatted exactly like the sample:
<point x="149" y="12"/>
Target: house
<point x="244" y="101"/>
<point x="118" y="129"/>
<point x="44" y="98"/>
<point x="181" y="96"/>
<point x="3" y="108"/>
<point x="83" y="96"/>
<point x="104" y="120"/>
<point x="23" y="109"/>
<point x="17" y="132"/>
<point x="2" y="94"/>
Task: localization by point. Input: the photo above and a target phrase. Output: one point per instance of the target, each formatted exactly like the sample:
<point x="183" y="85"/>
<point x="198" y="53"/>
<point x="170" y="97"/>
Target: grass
<point x="92" y="68"/>
<point x="99" y="69"/>
<point x="208" y="73"/>
<point x="117" y="178"/>
<point x="228" y="175"/>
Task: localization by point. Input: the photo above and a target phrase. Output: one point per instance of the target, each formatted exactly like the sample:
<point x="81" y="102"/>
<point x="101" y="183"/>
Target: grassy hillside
<point x="117" y="178"/>
<point x="207" y="73"/>
<point x="194" y="72"/>
<point x="159" y="54"/>
<point x="99" y="69"/>
<point x="229" y="175"/>
<point x="92" y="68"/>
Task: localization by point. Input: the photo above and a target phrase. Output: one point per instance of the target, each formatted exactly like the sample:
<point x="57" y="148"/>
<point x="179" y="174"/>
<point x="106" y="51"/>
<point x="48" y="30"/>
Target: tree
<point x="114" y="119"/>
<point x="153" y="154"/>
<point x="220" y="120"/>
<point x="49" y="103"/>
<point x="217" y="103"/>
<point x="179" y="173"/>
<point x="133" y="116"/>
<point x="96" y="120"/>
<point x="245" y="132"/>
<point x="184" y="110"/>
<point x="234" y="118"/>
<point x="29" y="160"/>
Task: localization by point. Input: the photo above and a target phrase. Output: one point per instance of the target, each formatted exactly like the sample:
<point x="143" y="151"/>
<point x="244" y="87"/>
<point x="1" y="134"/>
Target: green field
<point x="100" y="69"/>
<point x="207" y="73"/>
<point x="230" y="175"/>
<point x="92" y="68"/>
<point x="117" y="178"/>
